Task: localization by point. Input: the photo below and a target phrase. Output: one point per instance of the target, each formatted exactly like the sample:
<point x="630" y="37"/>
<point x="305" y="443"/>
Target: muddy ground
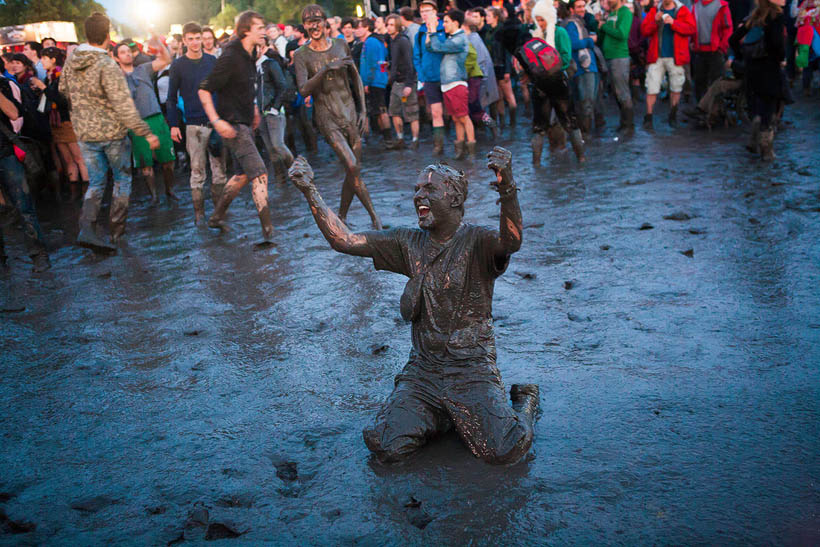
<point x="665" y="299"/>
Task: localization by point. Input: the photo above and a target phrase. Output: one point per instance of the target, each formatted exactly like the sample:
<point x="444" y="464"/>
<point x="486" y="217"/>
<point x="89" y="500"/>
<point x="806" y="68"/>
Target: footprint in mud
<point x="678" y="215"/>
<point x="417" y="516"/>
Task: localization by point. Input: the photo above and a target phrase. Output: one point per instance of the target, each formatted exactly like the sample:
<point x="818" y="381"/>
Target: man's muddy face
<point x="315" y="27"/>
<point x="433" y="200"/>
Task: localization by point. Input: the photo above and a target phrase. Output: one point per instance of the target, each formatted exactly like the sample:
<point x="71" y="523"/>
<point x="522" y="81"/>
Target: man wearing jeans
<point x="585" y="81"/>
<point x="236" y="117"/>
<point x="14" y="185"/>
<point x="187" y="72"/>
<point x="102" y="112"/>
<point x="616" y="52"/>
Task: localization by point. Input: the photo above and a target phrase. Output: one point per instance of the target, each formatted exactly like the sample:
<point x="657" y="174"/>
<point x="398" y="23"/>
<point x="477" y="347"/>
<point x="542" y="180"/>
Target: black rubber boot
<point x="438" y="141"/>
<point x="673" y="116"/>
<point x="537" y="147"/>
<point x="267" y="225"/>
<point x="577" y="145"/>
<point x="647" y="122"/>
<point x="460" y="150"/>
<point x="471" y="146"/>
<point x="150" y="182"/>
<point x="217" y="219"/>
<point x="628" y="122"/>
<point x="119" y="212"/>
<point x="767" y="145"/>
<point x="198" y="198"/>
<point x="513" y="116"/>
<point x="40" y="262"/>
<point x="753" y="145"/>
<point x="216" y="193"/>
<point x="88" y="237"/>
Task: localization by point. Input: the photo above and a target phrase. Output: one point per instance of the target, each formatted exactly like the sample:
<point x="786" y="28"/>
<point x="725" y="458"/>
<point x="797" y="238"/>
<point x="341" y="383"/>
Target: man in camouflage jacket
<point x="102" y="112"/>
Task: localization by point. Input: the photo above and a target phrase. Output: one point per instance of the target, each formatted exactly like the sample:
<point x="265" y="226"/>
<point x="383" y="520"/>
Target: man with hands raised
<point x="451" y="378"/>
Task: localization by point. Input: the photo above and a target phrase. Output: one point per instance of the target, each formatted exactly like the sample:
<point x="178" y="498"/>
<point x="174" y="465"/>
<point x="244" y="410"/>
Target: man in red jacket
<point x="713" y="26"/>
<point x="668" y="28"/>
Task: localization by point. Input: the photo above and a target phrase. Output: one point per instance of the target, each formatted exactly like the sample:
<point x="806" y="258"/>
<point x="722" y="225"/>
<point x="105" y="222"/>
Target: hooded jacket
<point x="546" y="11"/>
<point x="101" y="105"/>
<point x="721" y="27"/>
<point x="454" y="56"/>
<point x="683" y="28"/>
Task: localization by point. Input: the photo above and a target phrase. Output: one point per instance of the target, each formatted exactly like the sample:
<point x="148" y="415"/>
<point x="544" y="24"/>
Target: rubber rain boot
<point x="88" y="237"/>
<point x="753" y="145"/>
<point x="217" y="219"/>
<point x="198" y="198"/>
<point x="767" y="145"/>
<point x="673" y="117"/>
<point x="216" y="193"/>
<point x="577" y="145"/>
<point x="459" y="149"/>
<point x="537" y="147"/>
<point x="471" y="146"/>
<point x="438" y="141"/>
<point x="119" y="213"/>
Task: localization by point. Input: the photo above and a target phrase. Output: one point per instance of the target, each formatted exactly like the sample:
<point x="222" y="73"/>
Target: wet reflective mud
<point x="196" y="386"/>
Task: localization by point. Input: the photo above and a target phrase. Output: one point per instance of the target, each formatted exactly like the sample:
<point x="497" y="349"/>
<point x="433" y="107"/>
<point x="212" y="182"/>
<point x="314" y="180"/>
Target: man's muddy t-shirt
<point x="455" y="320"/>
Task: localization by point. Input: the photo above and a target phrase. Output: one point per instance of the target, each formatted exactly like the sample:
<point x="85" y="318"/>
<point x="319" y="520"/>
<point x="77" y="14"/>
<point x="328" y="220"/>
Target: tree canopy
<point x="19" y="12"/>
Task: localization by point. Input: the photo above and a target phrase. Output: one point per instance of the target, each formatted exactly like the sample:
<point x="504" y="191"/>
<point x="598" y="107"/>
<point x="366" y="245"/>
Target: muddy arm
<point x="511" y="224"/>
<point x="336" y="233"/>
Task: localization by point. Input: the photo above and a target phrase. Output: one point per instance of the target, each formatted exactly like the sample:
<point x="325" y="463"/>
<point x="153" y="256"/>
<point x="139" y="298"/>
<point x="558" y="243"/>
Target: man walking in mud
<point x="236" y="117"/>
<point x="451" y="379"/>
<point x="326" y="72"/>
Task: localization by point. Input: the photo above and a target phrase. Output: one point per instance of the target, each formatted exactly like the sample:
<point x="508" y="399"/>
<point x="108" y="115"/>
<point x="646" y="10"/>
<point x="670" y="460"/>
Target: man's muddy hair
<point x="313" y="10"/>
<point x="454" y="178"/>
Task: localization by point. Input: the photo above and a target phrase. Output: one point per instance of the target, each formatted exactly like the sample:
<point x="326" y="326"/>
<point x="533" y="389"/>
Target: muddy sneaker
<point x="525" y="398"/>
<point x="41" y="262"/>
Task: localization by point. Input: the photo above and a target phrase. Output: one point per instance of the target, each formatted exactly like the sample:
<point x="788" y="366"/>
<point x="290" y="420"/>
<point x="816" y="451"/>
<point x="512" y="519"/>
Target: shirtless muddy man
<point x="451" y="378"/>
<point x="325" y="71"/>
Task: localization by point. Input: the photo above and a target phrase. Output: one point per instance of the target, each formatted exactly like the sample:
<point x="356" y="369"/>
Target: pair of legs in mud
<point x="548" y="95"/>
<point x="347" y="144"/>
<point x="250" y="167"/>
<point x="430" y="399"/>
<point x="17" y="194"/>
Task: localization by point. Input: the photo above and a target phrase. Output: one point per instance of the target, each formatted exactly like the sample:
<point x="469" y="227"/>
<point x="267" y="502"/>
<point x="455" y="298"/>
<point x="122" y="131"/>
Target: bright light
<point x="149" y="11"/>
<point x="359" y="11"/>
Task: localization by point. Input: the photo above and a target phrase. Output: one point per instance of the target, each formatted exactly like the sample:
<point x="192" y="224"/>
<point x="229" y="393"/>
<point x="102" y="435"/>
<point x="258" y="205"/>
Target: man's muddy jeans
<point x="196" y="141"/>
<point x="273" y="135"/>
<point x="99" y="157"/>
<point x="585" y="91"/>
<point x="619" y="78"/>
<point x="16" y="190"/>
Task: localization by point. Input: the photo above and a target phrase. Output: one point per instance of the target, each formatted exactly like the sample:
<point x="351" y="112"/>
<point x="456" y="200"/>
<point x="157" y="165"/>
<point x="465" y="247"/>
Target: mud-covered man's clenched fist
<point x="499" y="160"/>
<point x="301" y="174"/>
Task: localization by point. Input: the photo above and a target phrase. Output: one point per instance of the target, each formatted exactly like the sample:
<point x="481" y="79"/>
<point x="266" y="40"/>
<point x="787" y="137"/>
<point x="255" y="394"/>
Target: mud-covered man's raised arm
<point x="451" y="378"/>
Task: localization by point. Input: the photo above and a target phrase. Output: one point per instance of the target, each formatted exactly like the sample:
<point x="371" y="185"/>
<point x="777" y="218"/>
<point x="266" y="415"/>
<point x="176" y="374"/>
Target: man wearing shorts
<point x="453" y="77"/>
<point x="326" y="71"/>
<point x="668" y="27"/>
<point x="141" y="84"/>
<point x="404" y="103"/>
<point x="236" y="117"/>
<point x="428" y="67"/>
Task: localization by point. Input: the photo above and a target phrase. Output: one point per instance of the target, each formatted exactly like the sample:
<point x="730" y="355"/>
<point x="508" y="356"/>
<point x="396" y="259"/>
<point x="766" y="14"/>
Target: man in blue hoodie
<point x="454" y="79"/>
<point x="428" y="66"/>
<point x="585" y="81"/>
<point x="374" y="77"/>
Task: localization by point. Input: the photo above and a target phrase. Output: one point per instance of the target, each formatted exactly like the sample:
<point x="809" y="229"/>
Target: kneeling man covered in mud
<point x="451" y="379"/>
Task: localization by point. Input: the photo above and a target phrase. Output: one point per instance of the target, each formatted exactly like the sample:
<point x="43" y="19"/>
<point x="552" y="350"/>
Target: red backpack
<point x="539" y="58"/>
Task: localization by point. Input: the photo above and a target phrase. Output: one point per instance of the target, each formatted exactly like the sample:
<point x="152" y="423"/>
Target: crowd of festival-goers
<point x="76" y="117"/>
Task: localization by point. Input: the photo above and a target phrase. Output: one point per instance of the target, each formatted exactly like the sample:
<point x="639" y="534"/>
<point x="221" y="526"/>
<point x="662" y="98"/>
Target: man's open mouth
<point x="423" y="211"/>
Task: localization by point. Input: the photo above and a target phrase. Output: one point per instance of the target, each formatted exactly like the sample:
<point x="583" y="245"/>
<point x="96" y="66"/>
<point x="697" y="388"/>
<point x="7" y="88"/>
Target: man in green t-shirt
<point x="616" y="52"/>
